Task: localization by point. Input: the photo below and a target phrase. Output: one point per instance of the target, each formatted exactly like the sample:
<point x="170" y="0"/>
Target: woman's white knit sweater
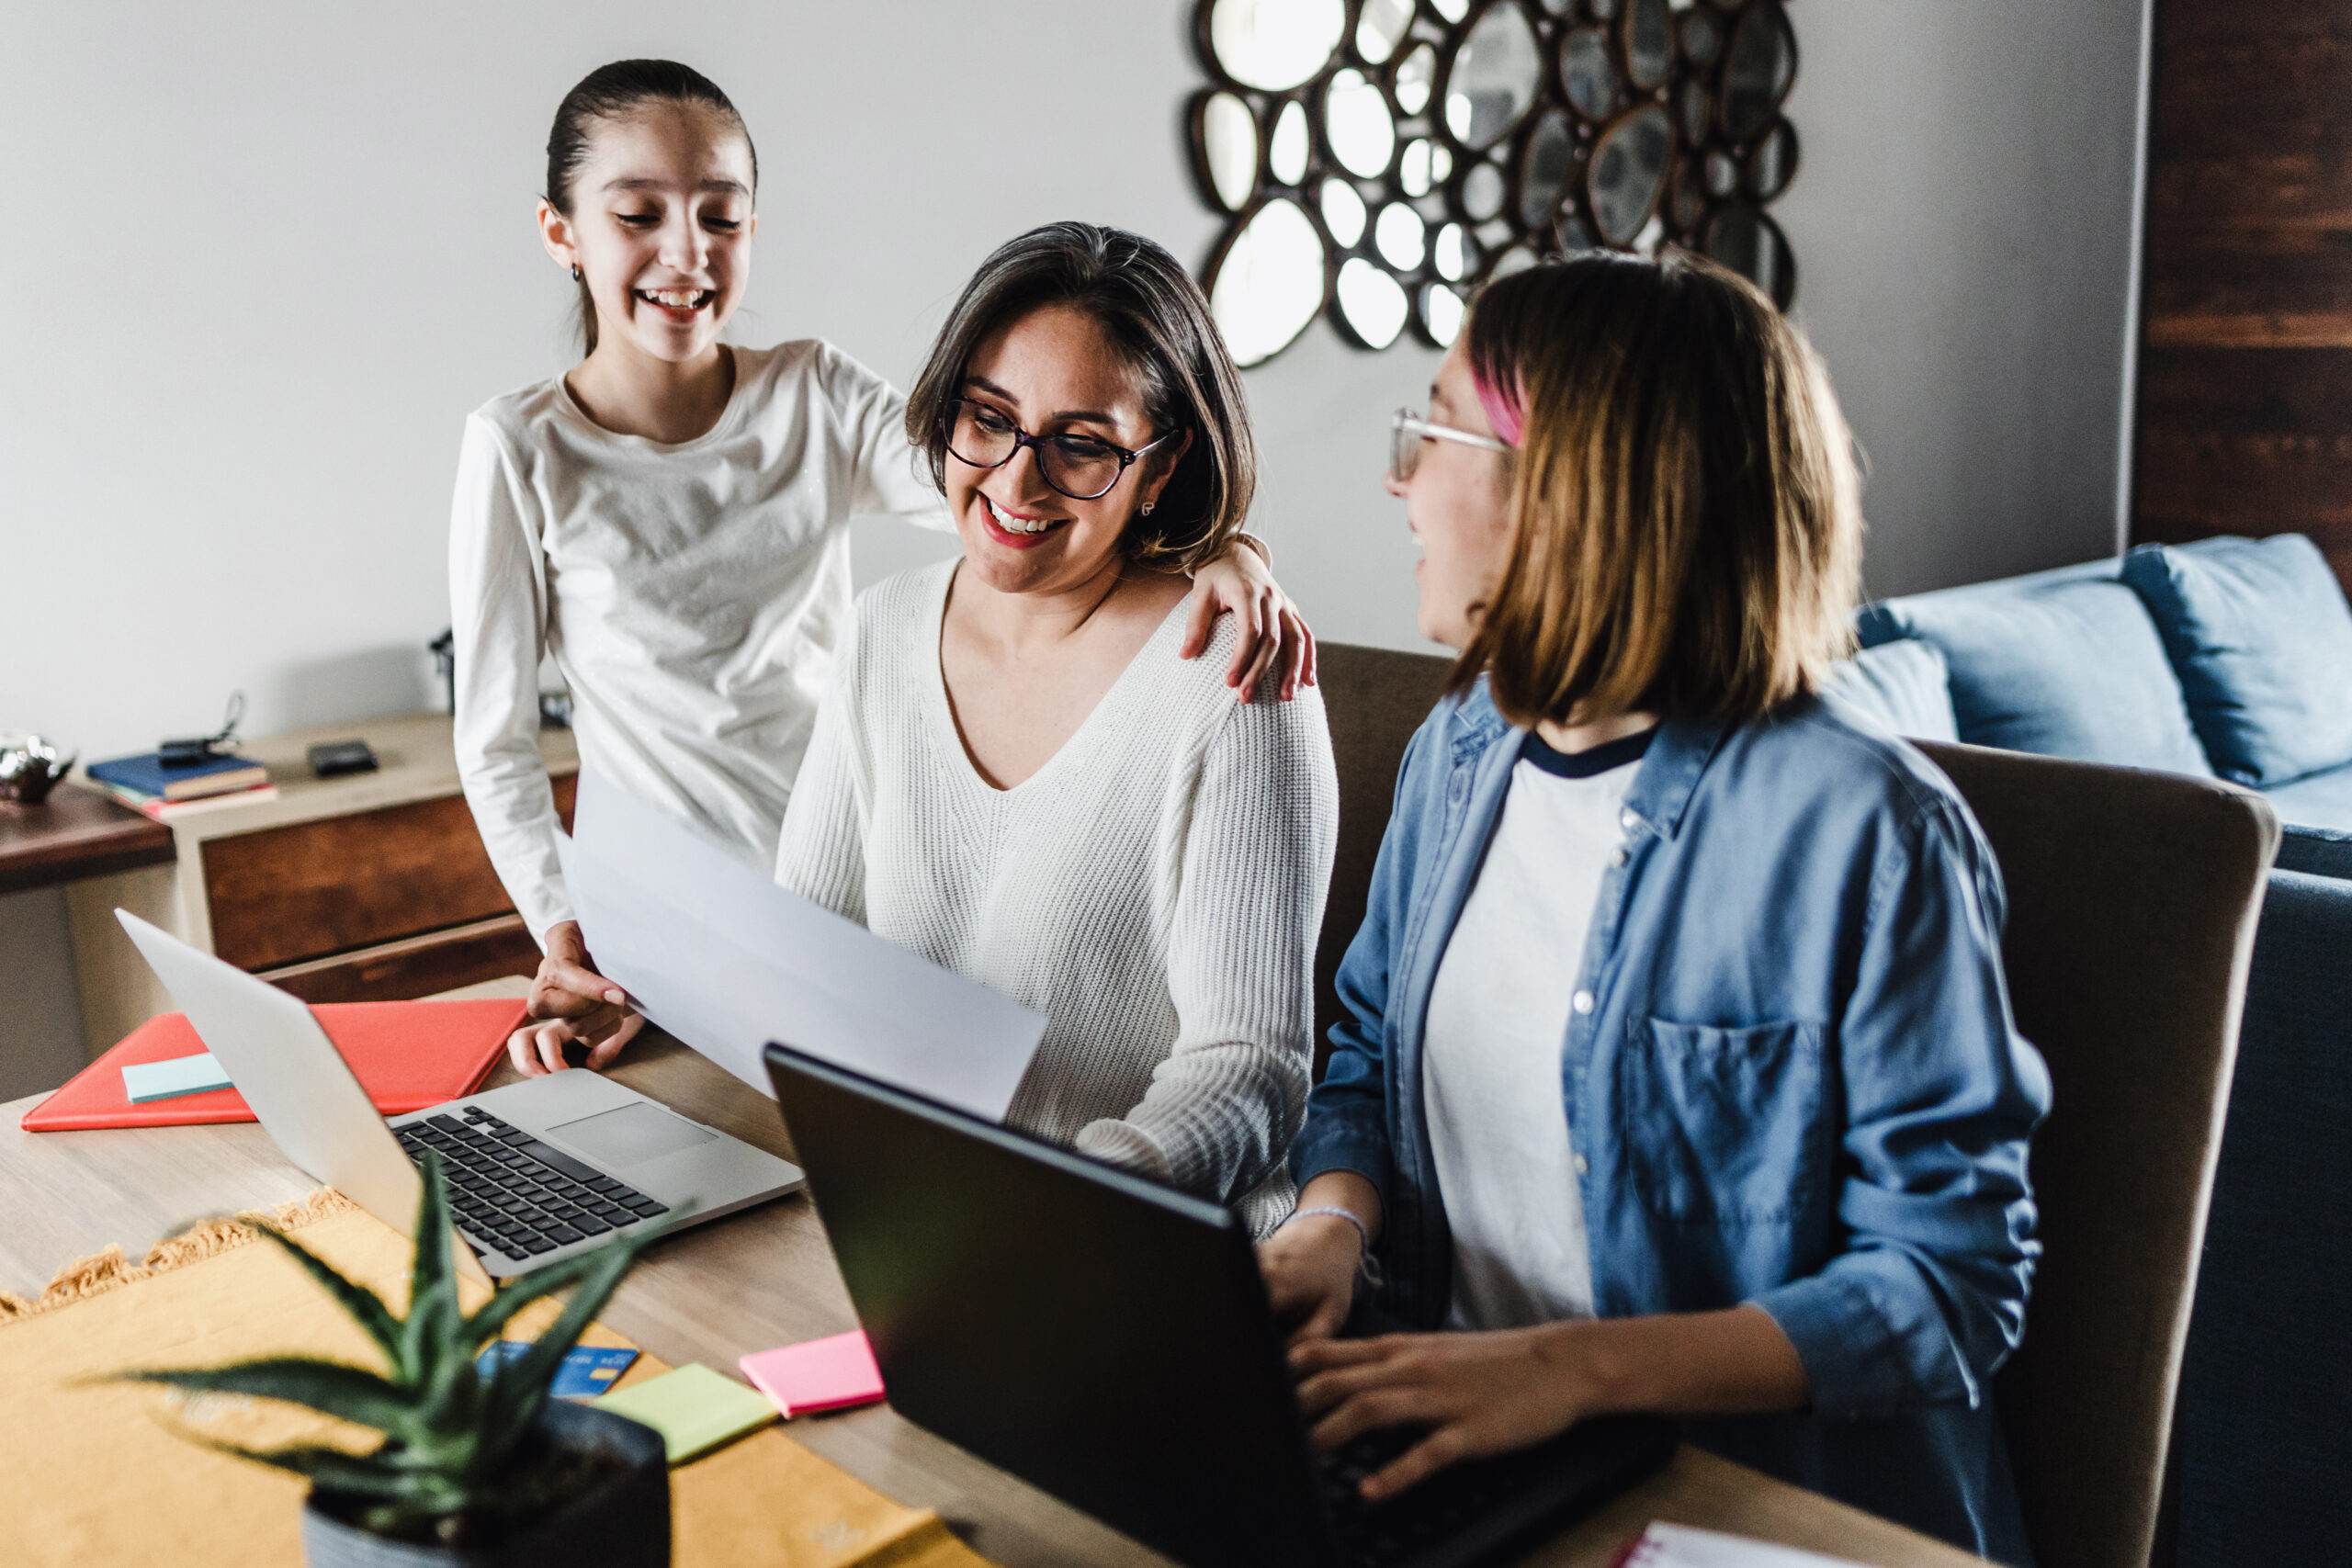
<point x="1154" y="890"/>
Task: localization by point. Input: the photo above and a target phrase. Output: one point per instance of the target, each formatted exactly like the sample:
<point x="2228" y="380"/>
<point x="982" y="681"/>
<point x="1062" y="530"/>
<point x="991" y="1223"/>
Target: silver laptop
<point x="537" y="1170"/>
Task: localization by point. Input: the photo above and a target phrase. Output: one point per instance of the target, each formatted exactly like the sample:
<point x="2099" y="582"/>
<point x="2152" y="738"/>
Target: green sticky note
<point x="694" y="1408"/>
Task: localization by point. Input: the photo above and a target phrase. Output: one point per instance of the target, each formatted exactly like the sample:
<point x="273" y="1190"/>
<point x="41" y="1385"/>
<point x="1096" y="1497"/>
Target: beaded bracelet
<point x="1366" y="1265"/>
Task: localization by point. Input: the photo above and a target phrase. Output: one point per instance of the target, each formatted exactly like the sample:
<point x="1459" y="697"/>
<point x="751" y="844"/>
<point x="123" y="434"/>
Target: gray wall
<point x="1966" y="222"/>
<point x="267" y="255"/>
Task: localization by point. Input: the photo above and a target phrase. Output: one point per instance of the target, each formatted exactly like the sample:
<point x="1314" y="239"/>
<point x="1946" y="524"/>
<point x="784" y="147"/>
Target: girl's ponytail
<point x="614" y="92"/>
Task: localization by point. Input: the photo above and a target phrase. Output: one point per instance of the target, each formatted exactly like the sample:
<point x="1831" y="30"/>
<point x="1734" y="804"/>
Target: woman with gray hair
<point x="1009" y="778"/>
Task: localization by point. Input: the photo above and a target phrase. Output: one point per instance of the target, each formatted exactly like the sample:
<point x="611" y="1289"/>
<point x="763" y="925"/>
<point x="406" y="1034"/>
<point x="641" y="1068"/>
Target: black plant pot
<point x="623" y="1524"/>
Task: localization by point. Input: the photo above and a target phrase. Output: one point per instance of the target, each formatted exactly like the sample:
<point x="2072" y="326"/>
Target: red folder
<point x="406" y="1055"/>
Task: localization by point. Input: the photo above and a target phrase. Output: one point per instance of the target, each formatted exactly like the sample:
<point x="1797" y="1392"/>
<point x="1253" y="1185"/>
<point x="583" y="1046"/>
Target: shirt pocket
<point x="1724" y="1126"/>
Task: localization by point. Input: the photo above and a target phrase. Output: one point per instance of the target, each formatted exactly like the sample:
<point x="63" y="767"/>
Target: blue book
<point x="146" y="774"/>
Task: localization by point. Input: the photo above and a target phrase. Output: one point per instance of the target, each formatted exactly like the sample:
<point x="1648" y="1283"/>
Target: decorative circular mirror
<point x="1272" y="45"/>
<point x="1424" y="167"/>
<point x="1545" y="161"/>
<point x="1587" y="72"/>
<point x="1400" y="237"/>
<point x="1759" y="67"/>
<point x="1650" y="44"/>
<point x="1376" y="159"/>
<point x="1380" y="28"/>
<point x="1286" y="150"/>
<point x="1343" y="213"/>
<point x="1751" y="244"/>
<point x="1483" y="189"/>
<point x="1225" y="142"/>
<point x="1371" y="304"/>
<point x="1703" y="35"/>
<point x="1440" y="313"/>
<point x="1622" y="181"/>
<point x="1492" y="77"/>
<point x="1771" y="162"/>
<point x="1455" y="253"/>
<point x="1415" y="76"/>
<point x="1722" y="176"/>
<point x="1358" y="125"/>
<point x="1266" y="282"/>
<point x="1697" y="106"/>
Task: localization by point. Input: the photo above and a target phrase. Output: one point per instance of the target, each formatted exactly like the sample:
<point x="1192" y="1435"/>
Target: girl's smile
<point x="681" y="305"/>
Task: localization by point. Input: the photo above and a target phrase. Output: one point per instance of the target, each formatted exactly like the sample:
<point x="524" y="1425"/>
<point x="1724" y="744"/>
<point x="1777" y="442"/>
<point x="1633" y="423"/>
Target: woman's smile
<point x="1015" y="529"/>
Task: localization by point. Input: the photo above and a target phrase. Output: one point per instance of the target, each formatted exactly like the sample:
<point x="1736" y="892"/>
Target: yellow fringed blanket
<point x="94" y="1473"/>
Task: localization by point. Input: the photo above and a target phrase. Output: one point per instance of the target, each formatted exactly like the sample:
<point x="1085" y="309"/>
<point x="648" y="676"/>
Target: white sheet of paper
<point x="724" y="959"/>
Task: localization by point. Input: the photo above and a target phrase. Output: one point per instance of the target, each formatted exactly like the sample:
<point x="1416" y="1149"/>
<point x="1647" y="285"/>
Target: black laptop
<point x="1109" y="1340"/>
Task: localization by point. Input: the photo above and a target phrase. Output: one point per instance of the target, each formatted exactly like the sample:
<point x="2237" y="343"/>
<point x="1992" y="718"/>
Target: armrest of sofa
<point x="2260" y="1442"/>
<point x="2316" y="851"/>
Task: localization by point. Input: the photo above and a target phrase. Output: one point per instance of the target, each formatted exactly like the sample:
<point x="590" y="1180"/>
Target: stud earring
<point x="575" y="272"/>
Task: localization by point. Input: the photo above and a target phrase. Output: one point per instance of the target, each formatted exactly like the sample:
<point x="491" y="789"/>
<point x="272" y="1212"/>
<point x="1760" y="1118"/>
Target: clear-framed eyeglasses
<point x="1408" y="431"/>
<point x="1083" y="467"/>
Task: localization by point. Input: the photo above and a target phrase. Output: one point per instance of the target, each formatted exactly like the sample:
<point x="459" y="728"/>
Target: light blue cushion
<point x="2064" y="664"/>
<point x="1898" y="686"/>
<point x="2261" y="638"/>
<point x="2315" y="800"/>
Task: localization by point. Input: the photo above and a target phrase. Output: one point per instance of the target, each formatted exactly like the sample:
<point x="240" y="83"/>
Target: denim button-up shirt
<point x="1790" y="1076"/>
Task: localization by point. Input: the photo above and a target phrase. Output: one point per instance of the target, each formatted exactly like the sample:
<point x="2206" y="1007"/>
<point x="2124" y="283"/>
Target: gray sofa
<point x="2231" y="658"/>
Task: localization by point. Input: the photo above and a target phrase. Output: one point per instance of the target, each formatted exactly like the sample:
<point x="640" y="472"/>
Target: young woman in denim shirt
<point x="1678" y="1073"/>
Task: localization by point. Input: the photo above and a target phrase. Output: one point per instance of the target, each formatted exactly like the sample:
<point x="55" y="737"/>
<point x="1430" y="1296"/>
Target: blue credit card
<point x="587" y="1370"/>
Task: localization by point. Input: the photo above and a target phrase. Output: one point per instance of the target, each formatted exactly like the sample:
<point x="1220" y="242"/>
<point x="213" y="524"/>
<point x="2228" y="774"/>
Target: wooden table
<point x="76" y="832"/>
<point x="766" y="1278"/>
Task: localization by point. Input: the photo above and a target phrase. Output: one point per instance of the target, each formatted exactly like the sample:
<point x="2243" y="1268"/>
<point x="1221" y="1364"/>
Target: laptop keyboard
<point x="516" y="1195"/>
<point x="1437" y="1508"/>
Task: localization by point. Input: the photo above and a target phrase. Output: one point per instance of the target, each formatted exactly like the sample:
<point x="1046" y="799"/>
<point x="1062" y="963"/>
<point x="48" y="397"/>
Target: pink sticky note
<point x="821" y="1374"/>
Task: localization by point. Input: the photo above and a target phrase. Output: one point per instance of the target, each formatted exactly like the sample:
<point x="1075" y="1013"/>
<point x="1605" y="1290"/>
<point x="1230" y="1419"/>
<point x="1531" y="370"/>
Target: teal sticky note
<point x="168" y="1080"/>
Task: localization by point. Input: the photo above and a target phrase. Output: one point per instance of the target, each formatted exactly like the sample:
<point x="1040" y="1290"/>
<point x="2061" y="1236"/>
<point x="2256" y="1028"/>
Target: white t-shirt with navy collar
<point x="1498" y="1023"/>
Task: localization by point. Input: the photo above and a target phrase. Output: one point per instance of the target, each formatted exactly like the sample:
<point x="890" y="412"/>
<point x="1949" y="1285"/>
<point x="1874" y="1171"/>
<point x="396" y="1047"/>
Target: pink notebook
<point x="821" y="1374"/>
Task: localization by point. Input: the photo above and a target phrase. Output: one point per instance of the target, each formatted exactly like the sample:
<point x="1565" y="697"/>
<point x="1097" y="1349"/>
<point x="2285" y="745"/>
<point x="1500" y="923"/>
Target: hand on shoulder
<point x="1270" y="633"/>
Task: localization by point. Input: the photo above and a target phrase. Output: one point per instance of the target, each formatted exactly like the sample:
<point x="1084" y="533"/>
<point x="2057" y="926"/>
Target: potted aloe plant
<point x="478" y="1468"/>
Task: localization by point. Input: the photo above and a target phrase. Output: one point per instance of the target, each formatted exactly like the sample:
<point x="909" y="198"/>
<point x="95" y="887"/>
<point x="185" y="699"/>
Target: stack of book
<point x="144" y="784"/>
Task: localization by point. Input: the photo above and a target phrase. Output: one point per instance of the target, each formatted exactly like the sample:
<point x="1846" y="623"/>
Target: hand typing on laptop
<point x="1477" y="1395"/>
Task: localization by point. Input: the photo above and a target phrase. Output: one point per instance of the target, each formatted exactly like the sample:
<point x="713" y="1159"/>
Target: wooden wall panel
<point x="2245" y="407"/>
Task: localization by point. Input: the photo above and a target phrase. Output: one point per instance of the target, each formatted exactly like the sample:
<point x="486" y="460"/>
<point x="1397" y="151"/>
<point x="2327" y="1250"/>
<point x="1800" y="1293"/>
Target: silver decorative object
<point x="29" y="769"/>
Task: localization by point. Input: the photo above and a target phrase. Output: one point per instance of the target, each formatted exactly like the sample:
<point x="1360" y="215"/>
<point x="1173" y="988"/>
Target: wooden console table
<point x="75" y="833"/>
<point x="367" y="887"/>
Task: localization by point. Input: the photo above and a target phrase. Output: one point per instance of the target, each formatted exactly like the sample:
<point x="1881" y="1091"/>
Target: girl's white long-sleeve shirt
<point x="692" y="596"/>
<point x="1155" y="890"/>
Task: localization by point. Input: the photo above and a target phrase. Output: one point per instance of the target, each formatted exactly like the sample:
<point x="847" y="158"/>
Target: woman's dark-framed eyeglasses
<point x="1083" y="467"/>
<point x="1407" y="431"/>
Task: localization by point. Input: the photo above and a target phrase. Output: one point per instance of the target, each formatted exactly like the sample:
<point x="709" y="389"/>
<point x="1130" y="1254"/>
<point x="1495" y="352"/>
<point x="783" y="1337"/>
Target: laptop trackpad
<point x="631" y="1135"/>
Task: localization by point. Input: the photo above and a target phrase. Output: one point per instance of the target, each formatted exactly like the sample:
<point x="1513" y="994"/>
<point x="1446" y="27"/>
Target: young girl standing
<point x="669" y="520"/>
